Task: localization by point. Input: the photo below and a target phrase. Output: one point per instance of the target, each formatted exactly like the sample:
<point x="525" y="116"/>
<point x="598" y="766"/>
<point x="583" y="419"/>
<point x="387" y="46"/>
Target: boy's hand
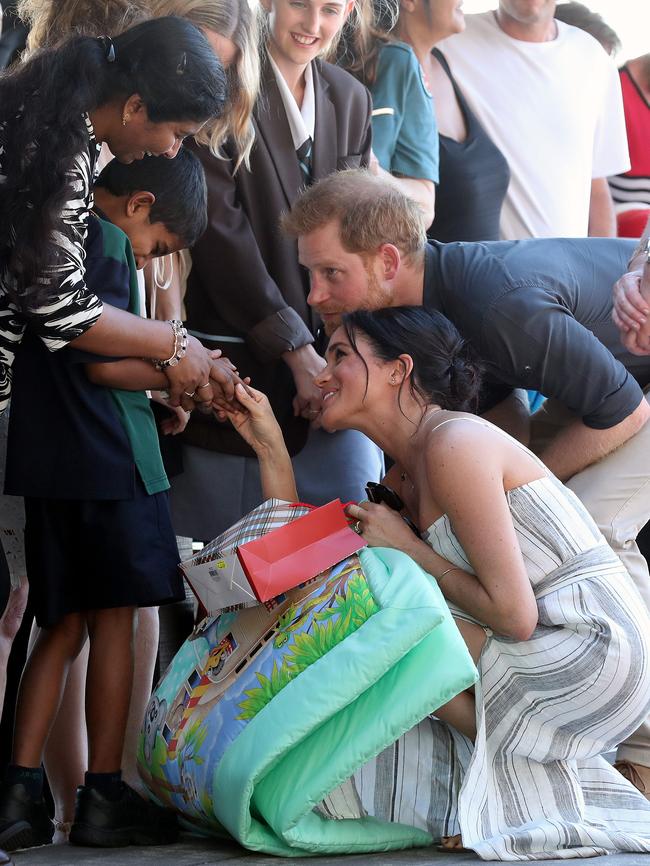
<point x="224" y="376"/>
<point x="177" y="421"/>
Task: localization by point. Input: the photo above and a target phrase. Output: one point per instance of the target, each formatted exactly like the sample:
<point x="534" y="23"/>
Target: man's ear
<point x="139" y="204"/>
<point x="390" y="261"/>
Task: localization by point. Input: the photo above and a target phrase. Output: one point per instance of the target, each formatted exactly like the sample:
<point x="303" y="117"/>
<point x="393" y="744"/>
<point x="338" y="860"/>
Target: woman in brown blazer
<point x="247" y="293"/>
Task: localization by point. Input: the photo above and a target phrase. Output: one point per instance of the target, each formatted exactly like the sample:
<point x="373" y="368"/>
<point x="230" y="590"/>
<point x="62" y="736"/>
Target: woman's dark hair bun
<point x="464" y="379"/>
<point x="445" y="369"/>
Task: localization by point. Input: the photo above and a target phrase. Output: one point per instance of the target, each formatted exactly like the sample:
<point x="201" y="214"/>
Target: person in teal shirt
<point x="404" y="131"/>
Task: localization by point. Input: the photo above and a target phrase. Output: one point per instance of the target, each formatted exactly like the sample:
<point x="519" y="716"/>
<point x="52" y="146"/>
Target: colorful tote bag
<point x="266" y="711"/>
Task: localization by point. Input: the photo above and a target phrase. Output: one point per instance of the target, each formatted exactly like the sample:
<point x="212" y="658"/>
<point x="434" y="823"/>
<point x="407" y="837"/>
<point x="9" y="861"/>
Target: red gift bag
<point x="298" y="551"/>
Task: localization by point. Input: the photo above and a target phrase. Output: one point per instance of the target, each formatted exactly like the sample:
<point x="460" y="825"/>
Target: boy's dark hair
<point x="178" y="185"/>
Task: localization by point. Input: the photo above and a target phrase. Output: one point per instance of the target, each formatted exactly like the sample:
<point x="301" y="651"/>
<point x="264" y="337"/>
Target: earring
<point x="393" y="380"/>
<point x="125" y="119"/>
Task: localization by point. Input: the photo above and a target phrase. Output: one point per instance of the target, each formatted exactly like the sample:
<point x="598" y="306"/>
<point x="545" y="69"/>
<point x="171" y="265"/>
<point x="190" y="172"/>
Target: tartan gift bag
<point x="201" y="570"/>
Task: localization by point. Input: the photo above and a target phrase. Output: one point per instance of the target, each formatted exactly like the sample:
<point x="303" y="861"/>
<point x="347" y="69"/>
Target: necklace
<point x="429" y="413"/>
<point x="425" y="79"/>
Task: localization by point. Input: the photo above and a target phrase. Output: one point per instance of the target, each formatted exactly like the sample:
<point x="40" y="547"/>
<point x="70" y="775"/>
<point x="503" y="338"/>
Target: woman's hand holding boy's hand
<point x="201" y="378"/>
<point x="252" y="417"/>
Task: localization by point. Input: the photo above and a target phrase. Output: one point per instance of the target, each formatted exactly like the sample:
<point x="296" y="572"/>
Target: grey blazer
<point x="246" y="284"/>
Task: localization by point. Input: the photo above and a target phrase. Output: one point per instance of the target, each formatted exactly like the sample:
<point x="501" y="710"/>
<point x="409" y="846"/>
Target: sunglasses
<point x="379" y="493"/>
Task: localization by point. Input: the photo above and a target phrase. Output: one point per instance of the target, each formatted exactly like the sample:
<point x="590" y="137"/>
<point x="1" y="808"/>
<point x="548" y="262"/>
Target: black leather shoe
<point x="24" y="823"/>
<point x="131" y="820"/>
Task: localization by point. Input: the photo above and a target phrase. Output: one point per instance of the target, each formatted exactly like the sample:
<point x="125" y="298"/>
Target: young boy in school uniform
<point x="83" y="451"/>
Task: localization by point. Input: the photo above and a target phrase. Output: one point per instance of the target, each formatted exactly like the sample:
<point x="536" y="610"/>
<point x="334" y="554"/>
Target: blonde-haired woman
<point x="51" y="21"/>
<point x="246" y="290"/>
<point x="423" y="124"/>
<point x="231" y="29"/>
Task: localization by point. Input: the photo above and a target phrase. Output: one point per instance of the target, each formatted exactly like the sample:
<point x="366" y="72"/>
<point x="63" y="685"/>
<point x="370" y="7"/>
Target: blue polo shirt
<point x="539" y="314"/>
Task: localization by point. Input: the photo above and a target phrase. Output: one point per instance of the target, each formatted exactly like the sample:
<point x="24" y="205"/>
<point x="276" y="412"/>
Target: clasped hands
<point x="203" y="379"/>
<point x="631" y="310"/>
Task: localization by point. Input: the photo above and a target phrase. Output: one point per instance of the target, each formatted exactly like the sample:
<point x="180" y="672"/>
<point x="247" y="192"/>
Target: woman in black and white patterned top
<point x="143" y="92"/>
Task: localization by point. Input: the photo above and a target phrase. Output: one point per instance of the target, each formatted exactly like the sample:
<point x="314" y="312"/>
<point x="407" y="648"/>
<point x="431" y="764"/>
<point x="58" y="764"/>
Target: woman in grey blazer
<point x="247" y="293"/>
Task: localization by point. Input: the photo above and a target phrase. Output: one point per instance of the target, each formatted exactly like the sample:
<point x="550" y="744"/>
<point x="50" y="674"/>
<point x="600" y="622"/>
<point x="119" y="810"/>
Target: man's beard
<point x="377" y="296"/>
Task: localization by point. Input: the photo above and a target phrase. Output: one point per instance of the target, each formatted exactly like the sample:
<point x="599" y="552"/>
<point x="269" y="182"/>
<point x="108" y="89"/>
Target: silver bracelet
<point x="642" y="247"/>
<point x="446" y="572"/>
<point x="180" y="346"/>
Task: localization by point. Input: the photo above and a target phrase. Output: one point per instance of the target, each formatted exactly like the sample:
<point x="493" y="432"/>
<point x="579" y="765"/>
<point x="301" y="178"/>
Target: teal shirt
<point x="133" y="407"/>
<point x="404" y="129"/>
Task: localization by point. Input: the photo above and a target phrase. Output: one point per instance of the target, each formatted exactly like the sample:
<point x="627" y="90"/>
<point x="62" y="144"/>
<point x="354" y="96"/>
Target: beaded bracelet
<point x="180" y="346"/>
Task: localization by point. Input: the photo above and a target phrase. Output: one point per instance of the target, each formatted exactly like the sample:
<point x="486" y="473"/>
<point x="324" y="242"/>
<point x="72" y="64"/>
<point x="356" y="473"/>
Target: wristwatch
<point x="642" y="248"/>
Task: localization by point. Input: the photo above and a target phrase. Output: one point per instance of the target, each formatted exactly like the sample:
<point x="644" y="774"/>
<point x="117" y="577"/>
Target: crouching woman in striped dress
<point x="561" y="638"/>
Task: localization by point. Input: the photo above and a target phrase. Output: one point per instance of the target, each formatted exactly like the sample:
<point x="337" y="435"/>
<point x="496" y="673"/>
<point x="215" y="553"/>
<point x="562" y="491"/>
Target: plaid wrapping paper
<point x="271" y="514"/>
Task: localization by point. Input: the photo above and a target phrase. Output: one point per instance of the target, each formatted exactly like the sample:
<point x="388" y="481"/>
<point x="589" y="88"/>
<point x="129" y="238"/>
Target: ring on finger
<point x="358" y="528"/>
<point x="207" y="385"/>
<point x="187" y="393"/>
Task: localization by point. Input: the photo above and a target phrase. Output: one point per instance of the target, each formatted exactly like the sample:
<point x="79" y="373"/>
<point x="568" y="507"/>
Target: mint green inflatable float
<point x="266" y="711"/>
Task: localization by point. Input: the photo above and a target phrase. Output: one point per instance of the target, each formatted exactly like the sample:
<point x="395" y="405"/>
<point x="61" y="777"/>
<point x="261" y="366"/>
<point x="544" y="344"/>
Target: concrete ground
<point x="199" y="852"/>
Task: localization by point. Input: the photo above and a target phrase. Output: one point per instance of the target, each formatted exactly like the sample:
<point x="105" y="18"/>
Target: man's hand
<point x="631" y="309"/>
<point x="305" y="364"/>
<point x="632" y="300"/>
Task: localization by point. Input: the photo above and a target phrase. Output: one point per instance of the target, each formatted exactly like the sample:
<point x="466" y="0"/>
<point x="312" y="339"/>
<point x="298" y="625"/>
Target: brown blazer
<point x="246" y="284"/>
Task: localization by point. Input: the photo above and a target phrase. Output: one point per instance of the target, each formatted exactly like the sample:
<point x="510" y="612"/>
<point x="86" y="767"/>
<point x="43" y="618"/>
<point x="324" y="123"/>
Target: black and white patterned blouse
<point x="70" y="308"/>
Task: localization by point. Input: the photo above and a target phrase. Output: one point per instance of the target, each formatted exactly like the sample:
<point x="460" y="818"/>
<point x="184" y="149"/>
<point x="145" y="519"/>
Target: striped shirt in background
<point x="631" y="191"/>
<point x="70" y="308"/>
